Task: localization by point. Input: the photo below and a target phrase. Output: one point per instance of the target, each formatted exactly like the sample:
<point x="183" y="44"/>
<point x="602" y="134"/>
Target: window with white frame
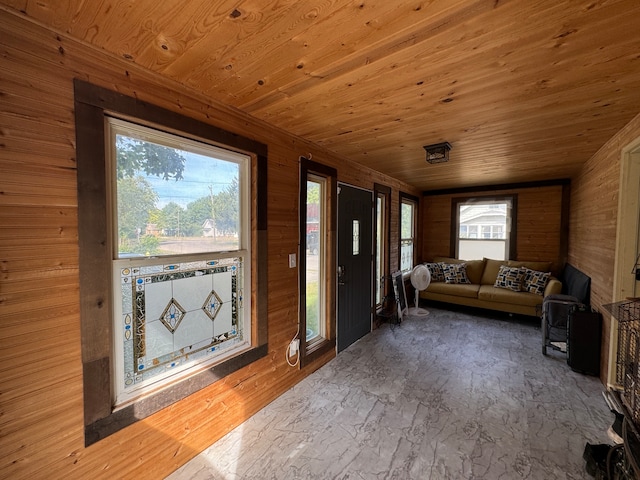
<point x="408" y="208"/>
<point x="181" y="236"/>
<point x="484" y="227"/>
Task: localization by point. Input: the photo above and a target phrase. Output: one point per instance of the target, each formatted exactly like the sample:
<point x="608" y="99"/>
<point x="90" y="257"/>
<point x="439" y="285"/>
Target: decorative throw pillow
<point x="435" y="269"/>
<point x="510" y="278"/>
<point x="455" y="272"/>
<point x="535" y="282"/>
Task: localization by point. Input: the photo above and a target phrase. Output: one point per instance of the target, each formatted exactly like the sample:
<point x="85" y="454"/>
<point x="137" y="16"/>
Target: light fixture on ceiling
<point x="438" y="152"/>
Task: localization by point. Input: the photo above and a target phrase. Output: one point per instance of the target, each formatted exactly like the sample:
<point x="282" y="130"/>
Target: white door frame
<point x="627" y="241"/>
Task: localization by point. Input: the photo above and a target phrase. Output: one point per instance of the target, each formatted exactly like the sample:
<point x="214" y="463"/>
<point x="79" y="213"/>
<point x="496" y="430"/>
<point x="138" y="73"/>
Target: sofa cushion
<point x="474" y="267"/>
<point x="510" y="278"/>
<point x="503" y="295"/>
<point x="535" y="281"/>
<point x="491" y="268"/>
<point x="455" y="272"/>
<point x="539" y="266"/>
<point x="459" y="289"/>
<point x="435" y="269"/>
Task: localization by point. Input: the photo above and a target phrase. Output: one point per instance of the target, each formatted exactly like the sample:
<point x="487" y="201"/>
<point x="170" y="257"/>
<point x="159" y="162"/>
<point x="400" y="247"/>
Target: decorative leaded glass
<point x="178" y="314"/>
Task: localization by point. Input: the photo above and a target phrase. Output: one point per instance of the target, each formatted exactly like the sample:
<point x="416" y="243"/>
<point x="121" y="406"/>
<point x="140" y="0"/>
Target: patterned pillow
<point x="455" y="272"/>
<point x="435" y="269"/>
<point x="535" y="282"/>
<point x="510" y="278"/>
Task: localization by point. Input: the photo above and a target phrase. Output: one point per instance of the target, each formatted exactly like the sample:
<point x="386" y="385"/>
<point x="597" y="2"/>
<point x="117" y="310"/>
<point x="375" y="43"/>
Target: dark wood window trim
<point x="92" y="103"/>
<point x="486" y="189"/>
<point x="311" y="352"/>
<point x="513" y="234"/>
<point x="564" y="223"/>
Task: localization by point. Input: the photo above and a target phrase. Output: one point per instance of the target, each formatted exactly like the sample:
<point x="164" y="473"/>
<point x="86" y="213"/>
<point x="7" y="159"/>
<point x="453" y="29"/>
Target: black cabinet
<point x="584" y="337"/>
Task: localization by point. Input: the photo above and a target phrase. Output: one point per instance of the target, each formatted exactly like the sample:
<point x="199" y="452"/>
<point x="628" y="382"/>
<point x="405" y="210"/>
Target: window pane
<point x="406" y="255"/>
<point x="407" y="227"/>
<point x="356" y="237"/>
<point x="483" y="229"/>
<point x="168" y="323"/>
<point x="477" y="249"/>
<point x="175" y="197"/>
<point x="314" y="278"/>
<point x="406" y="221"/>
<point x="379" y="248"/>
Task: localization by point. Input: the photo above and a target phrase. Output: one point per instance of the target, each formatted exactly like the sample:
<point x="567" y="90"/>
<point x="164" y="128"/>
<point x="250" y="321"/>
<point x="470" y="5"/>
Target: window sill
<point x="316" y="350"/>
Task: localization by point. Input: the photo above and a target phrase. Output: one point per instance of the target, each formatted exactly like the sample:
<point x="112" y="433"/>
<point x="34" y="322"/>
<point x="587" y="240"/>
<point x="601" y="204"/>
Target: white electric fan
<point x="420" y="279"/>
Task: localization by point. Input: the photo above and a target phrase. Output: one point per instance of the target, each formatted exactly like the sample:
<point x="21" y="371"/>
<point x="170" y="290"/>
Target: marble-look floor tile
<point x="449" y="396"/>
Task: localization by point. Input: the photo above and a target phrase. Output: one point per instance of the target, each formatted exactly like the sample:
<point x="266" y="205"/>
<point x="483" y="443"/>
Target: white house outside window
<point x="483" y="228"/>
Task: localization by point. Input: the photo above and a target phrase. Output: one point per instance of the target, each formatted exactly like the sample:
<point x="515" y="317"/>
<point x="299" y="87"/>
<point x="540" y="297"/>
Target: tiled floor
<point x="449" y="396"/>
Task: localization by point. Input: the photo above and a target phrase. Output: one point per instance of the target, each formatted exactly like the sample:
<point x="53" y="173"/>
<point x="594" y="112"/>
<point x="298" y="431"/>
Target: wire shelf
<point x="628" y="359"/>
<point x="627" y="311"/>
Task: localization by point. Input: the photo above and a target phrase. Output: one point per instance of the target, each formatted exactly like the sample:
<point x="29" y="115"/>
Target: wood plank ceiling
<point x="524" y="90"/>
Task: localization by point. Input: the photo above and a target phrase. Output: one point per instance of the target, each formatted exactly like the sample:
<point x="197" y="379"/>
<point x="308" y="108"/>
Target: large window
<point x="181" y="243"/>
<point x="171" y="227"/>
<point x="317" y="260"/>
<point x="408" y="229"/>
<point x="484" y="227"/>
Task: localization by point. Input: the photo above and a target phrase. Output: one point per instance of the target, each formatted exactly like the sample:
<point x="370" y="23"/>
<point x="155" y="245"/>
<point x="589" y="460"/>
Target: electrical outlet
<point x="293" y="346"/>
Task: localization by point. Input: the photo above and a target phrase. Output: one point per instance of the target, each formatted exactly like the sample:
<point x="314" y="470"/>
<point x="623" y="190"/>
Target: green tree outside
<point x="136" y="200"/>
<point x="136" y="156"/>
<point x="171" y="220"/>
<point x="226" y="208"/>
<point x="197" y="212"/>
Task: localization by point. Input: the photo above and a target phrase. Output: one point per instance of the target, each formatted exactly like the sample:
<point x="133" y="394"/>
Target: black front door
<point x="355" y="263"/>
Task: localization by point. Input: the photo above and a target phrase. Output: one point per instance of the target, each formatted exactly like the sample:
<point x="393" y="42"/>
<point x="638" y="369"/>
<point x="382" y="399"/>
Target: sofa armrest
<point x="554" y="287"/>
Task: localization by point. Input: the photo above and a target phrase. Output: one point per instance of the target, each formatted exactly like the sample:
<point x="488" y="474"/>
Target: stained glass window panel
<point x="177" y="315"/>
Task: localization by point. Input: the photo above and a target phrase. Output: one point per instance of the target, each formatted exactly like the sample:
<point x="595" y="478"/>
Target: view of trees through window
<point x="175" y="201"/>
<point x="314" y="258"/>
<point x="407" y="234"/>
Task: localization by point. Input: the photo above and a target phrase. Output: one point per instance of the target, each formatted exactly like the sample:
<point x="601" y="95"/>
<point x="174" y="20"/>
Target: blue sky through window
<point x="200" y="173"/>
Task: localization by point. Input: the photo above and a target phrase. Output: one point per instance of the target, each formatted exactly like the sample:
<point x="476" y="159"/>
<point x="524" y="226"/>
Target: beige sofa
<point x="481" y="291"/>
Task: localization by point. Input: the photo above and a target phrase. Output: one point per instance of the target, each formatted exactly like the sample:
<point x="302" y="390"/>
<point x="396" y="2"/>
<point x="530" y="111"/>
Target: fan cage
<point x="414" y="277"/>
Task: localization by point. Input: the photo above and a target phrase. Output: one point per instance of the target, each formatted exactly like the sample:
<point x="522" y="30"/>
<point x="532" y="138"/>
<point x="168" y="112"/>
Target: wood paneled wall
<point x="539" y="223"/>
<point x="593" y="224"/>
<point x="41" y="410"/>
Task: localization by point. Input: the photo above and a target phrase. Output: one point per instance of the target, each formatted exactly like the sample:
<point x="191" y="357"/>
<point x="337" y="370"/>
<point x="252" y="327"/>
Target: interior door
<point x="355" y="264"/>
